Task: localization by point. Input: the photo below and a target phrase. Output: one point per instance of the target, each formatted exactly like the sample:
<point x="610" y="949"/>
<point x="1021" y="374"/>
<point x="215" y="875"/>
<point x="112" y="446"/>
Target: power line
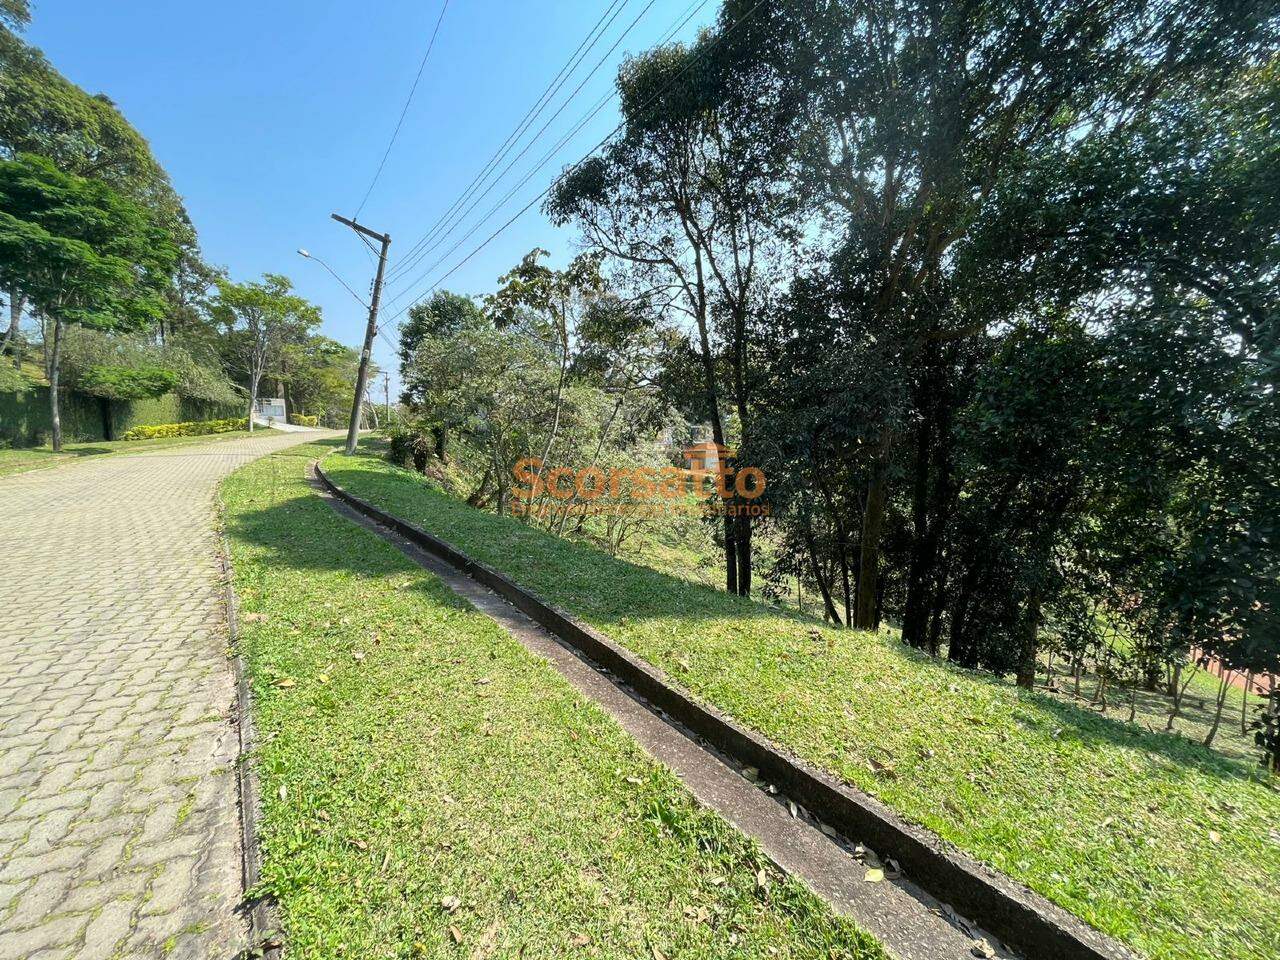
<point x="474" y="203"/>
<point x="599" y="106"/>
<point x="689" y="14"/>
<point x="404" y="112"/>
<point x="546" y="158"/>
<point x="590" y="40"/>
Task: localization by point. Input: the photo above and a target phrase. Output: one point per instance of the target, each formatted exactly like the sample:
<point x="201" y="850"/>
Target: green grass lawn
<point x="432" y="789"/>
<point x="1172" y="848"/>
<point x="35" y="458"/>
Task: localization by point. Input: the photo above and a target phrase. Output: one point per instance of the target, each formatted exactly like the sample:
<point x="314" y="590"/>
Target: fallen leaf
<point x="455" y="933"/>
<point x="254" y="617"/>
<point x="579" y="940"/>
<point x="634" y="781"/>
<point x="360" y="844"/>
<point x="483" y="681"/>
<point x="358" y="656"/>
<point x="983" y="949"/>
<point x="882" y="769"/>
<point x="874" y="875"/>
<point x="450" y="904"/>
<point x="829" y="830"/>
<point x="282" y="792"/>
<point x="751" y="773"/>
<point x="284" y="683"/>
<point x="762" y="880"/>
<point x="1215" y="836"/>
<point x="792" y="809"/>
<point x="323" y="678"/>
<point x="657" y="954"/>
<point x="892" y="871"/>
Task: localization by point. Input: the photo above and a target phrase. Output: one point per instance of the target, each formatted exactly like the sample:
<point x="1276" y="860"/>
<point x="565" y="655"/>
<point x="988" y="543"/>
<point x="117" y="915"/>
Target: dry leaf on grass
<point x="450" y="904"/>
<point x="882" y="769"/>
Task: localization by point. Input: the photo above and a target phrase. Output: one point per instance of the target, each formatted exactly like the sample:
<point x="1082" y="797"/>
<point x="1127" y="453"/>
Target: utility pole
<point x="363" y="376"/>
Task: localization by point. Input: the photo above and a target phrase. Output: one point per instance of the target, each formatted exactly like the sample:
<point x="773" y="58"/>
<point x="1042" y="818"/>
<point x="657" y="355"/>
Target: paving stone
<point x="115" y="696"/>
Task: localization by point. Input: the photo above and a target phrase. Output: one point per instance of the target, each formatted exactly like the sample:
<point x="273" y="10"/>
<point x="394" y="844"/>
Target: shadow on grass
<point x="614" y="593"/>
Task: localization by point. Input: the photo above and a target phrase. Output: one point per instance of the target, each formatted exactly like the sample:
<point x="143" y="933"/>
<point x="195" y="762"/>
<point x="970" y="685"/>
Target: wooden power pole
<point x="362" y="378"/>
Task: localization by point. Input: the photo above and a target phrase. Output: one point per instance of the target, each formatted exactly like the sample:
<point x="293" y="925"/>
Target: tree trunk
<point x="104" y="408"/>
<point x="742" y="545"/>
<point x="1244" y="703"/>
<point x="829" y="606"/>
<point x="717" y="427"/>
<point x="872" y="530"/>
<point x="254" y="380"/>
<point x="16" y="304"/>
<point x="916" y="612"/>
<point x="1224" y="684"/>
<point x="441" y="436"/>
<point x="1027" y="654"/>
<point x="55" y="372"/>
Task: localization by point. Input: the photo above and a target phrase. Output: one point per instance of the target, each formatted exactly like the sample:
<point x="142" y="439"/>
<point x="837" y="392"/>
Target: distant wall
<point x="25" y="420"/>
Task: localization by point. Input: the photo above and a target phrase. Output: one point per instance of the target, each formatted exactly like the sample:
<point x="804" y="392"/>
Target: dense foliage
<point x="988" y="292"/>
<point x="94" y="237"/>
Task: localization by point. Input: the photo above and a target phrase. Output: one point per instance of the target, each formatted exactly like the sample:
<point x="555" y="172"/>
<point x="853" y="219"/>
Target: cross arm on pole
<point x="361" y="228"/>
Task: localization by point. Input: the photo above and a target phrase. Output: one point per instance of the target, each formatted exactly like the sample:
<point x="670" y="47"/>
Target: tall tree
<point x="259" y="319"/>
<point x="693" y="201"/>
<point x="919" y="112"/>
<point x="549" y="305"/>
<point x="81" y="252"/>
<point x="15" y="14"/>
<point x="41" y="112"/>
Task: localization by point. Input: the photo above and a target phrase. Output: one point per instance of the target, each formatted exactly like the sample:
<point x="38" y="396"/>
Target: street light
<point x="310" y="256"/>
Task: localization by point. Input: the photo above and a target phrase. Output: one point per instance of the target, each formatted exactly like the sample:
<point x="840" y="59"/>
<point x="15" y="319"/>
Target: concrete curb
<point x="261" y="912"/>
<point x="1020" y="917"/>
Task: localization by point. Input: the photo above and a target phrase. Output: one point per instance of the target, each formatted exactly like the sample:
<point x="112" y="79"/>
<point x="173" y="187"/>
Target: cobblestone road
<point x="119" y="820"/>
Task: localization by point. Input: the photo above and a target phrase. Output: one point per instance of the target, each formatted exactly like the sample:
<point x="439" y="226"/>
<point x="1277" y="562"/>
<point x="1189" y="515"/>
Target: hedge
<point x="302" y="420"/>
<point x="197" y="428"/>
<point x="24" y="415"/>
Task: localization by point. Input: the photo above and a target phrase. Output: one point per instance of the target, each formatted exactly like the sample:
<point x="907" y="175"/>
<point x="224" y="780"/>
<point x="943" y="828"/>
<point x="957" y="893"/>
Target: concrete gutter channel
<point x="792" y="809"/>
<point x="259" y="912"/>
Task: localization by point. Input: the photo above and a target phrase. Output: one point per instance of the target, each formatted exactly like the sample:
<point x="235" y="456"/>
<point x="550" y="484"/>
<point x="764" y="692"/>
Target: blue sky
<point x="270" y="115"/>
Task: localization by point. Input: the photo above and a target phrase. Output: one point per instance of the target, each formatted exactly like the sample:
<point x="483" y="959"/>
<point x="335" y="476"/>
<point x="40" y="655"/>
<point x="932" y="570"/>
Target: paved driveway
<point x="119" y="818"/>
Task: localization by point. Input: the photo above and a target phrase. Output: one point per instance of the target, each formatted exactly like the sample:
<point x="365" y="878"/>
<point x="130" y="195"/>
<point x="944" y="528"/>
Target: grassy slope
<point x="35" y="458"/>
<point x="413" y="752"/>
<point x="1167" y="846"/>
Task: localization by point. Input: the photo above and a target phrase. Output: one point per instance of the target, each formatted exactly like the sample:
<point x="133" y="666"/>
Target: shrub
<point x="302" y="420"/>
<point x="408" y="444"/>
<point x="195" y="429"/>
<point x="127" y="383"/>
